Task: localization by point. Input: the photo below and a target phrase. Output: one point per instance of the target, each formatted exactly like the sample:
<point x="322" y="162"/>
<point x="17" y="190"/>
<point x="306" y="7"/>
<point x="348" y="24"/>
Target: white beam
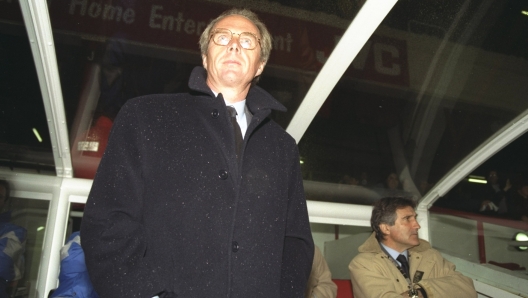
<point x="339" y="214"/>
<point x="40" y="36"/>
<point x="362" y="27"/>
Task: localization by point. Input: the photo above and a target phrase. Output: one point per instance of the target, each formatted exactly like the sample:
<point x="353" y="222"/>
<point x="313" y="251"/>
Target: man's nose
<point x="416" y="225"/>
<point x="234" y="44"/>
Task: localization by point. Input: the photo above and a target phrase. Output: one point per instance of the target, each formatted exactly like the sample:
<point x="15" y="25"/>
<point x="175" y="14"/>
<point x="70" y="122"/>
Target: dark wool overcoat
<point x="172" y="213"/>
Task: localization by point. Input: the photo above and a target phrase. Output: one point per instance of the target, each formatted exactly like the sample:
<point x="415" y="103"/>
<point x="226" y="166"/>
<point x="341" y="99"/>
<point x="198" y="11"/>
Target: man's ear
<point x="385" y="229"/>
<point x="204" y="61"/>
<point x="260" y="68"/>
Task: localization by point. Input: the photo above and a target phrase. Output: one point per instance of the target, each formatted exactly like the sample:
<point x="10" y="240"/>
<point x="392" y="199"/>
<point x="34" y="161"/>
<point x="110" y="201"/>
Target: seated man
<point x="320" y="284"/>
<point x="381" y="268"/>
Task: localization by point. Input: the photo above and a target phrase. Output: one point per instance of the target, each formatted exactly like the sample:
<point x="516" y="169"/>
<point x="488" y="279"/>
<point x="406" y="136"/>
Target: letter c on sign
<point x="394" y="69"/>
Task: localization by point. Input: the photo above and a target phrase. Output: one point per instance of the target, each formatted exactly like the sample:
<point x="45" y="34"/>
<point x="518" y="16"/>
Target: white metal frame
<point x="38" y="26"/>
<point x="40" y="36"/>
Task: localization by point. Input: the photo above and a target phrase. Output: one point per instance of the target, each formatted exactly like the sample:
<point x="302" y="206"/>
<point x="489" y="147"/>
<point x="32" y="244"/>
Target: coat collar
<point x="257" y="99"/>
<point x="372" y="246"/>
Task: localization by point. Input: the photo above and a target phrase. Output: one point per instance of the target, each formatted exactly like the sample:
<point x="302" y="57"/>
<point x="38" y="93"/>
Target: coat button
<point x="235" y="246"/>
<point x="215" y="113"/>
<point x="223" y="174"/>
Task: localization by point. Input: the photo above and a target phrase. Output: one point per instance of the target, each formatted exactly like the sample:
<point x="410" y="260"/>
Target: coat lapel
<point x="259" y="104"/>
<point x="418" y="263"/>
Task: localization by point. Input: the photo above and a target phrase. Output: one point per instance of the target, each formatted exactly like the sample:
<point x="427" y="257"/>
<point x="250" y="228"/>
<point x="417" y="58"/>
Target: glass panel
<point x="109" y="53"/>
<point x="493" y="201"/>
<point x="433" y="82"/>
<point x="493" y="189"/>
<point x="22" y="223"/>
<point x="24" y="135"/>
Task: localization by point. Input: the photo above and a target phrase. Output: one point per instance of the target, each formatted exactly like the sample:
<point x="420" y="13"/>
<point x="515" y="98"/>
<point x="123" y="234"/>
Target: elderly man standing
<point x="394" y="262"/>
<point x="200" y="194"/>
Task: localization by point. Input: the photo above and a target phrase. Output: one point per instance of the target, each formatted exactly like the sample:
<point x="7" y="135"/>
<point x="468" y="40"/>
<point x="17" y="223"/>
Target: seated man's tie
<point x="404" y="265"/>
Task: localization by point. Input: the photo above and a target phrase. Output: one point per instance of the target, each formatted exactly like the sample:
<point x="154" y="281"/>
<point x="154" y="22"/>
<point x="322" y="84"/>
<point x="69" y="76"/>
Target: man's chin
<point x="232" y="74"/>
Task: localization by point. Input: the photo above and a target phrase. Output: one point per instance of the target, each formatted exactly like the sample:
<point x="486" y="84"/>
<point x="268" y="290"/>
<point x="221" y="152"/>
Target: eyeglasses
<point x="247" y="40"/>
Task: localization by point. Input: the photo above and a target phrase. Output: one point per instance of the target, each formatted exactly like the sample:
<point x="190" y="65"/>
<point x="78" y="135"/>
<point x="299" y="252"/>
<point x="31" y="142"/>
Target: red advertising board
<point x="298" y="44"/>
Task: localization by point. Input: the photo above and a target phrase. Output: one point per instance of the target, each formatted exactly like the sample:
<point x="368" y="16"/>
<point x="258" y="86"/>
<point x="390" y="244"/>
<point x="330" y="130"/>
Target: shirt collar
<point x="393" y="253"/>
<point x="240" y="107"/>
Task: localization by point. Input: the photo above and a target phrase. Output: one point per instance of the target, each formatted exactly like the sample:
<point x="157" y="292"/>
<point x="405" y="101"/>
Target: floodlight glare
<point x="35" y="131"/>
<point x="475" y="180"/>
<point x="521" y="237"/>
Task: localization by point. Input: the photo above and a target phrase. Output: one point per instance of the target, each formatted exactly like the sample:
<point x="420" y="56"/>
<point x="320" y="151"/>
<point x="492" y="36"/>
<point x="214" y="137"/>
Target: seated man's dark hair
<point x="384" y="211"/>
